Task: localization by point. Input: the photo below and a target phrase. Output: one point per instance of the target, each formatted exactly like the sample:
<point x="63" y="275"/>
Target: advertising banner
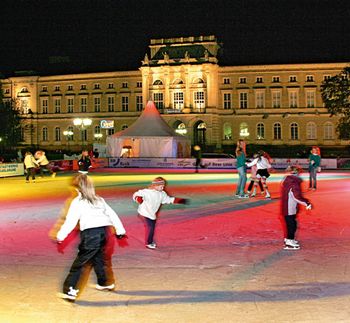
<point x="11" y="169"/>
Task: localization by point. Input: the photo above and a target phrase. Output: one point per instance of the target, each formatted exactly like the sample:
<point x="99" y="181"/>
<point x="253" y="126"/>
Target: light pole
<point x="82" y="124"/>
<point x="98" y="136"/>
<point x="68" y="134"/>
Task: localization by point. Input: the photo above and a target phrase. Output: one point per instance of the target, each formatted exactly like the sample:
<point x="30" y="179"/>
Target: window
<point x="45" y="134"/>
<point x="110" y="132"/>
<point x="328" y="131"/>
<point x="277" y="131"/>
<point x="158" y="100"/>
<point x="138" y="84"/>
<point x="227" y="131"/>
<point x="292" y="78"/>
<point x="310" y="99"/>
<point x="326" y="77"/>
<point x="124" y="126"/>
<point x="293" y="99"/>
<point x="57" y="134"/>
<point x="198" y="100"/>
<point x="83" y="87"/>
<point x="243" y="80"/>
<point x="110" y="103"/>
<point x="260" y="99"/>
<point x="178" y="100"/>
<point x="311" y="131"/>
<point x="227" y="101"/>
<point x="57" y="88"/>
<point x="44" y="106"/>
<point x="181" y="129"/>
<point x="294" y="131"/>
<point x="243" y="100"/>
<point x="70" y="105"/>
<point x="110" y="85"/>
<point x="83" y="104"/>
<point x="125" y="85"/>
<point x="57" y="104"/>
<point x="260" y="131"/>
<point x="226" y="80"/>
<point x="309" y="78"/>
<point x="70" y="88"/>
<point x="259" y="79"/>
<point x="7" y="91"/>
<point x="243" y="130"/>
<point x="96" y="86"/>
<point x="70" y="130"/>
<point x="24" y="90"/>
<point x="157" y="82"/>
<point x="139" y="104"/>
<point x="97" y="130"/>
<point x="83" y="135"/>
<point x="97" y="104"/>
<point x="125" y="103"/>
<point x="276" y="99"/>
<point x="44" y="88"/>
<point x="275" y="79"/>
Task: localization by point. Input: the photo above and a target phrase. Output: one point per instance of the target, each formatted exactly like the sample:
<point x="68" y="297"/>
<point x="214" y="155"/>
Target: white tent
<point x="148" y="136"/>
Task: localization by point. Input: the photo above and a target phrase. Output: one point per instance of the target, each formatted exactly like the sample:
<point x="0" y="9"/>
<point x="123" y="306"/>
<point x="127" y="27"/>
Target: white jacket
<point x="29" y="161"/>
<point x="152" y="200"/>
<point x="89" y="216"/>
<point x="261" y="163"/>
<point x="42" y="160"/>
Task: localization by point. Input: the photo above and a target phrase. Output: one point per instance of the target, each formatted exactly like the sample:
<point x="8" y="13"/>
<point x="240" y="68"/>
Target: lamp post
<point x="82" y="124"/>
<point x="98" y="136"/>
<point x="68" y="134"/>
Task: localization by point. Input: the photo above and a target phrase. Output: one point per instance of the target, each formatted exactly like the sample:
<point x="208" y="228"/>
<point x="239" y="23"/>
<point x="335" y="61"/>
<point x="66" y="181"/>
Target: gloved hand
<point x="139" y="199"/>
<point x="179" y="200"/>
<point x="309" y="206"/>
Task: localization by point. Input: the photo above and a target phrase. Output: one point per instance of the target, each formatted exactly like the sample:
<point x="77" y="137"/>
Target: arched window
<point x="328" y="131"/>
<point x="97" y="130"/>
<point x="178" y="81"/>
<point x="198" y="81"/>
<point x="243" y="130"/>
<point x="57" y="134"/>
<point x="124" y="126"/>
<point x="227" y="131"/>
<point x="45" y="134"/>
<point x="277" y="131"/>
<point x="199" y="133"/>
<point x="311" y="131"/>
<point x="260" y="131"/>
<point x="181" y="129"/>
<point x="157" y="82"/>
<point x="294" y="131"/>
<point x="71" y="132"/>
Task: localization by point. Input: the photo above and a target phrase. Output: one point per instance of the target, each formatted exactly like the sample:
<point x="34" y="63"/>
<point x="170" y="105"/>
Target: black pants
<point x="42" y="167"/>
<point x="30" y="172"/>
<point x="291" y="224"/>
<point x="251" y="184"/>
<point x="151" y="225"/>
<point x="91" y="251"/>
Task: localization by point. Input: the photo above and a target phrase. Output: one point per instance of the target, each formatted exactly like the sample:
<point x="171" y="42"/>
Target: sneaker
<point x="253" y="195"/>
<point x="291" y="244"/>
<point x="295" y="241"/>
<point x="108" y="287"/>
<point x="236" y="195"/>
<point x="53" y="175"/>
<point x="151" y="246"/>
<point x="71" y="294"/>
<point x="268" y="197"/>
<point x="287" y="247"/>
<point x="244" y="196"/>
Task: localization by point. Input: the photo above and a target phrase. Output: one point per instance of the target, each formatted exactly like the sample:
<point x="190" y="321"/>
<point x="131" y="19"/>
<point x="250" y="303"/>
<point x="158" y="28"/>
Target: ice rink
<point x="220" y="259"/>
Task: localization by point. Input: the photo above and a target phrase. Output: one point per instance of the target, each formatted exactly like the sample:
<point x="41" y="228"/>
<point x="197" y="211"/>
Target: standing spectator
<point x="150" y="199"/>
<point x="242" y="172"/>
<point x="95" y="217"/>
<point x="291" y="196"/>
<point x="198" y="155"/>
<point x="29" y="165"/>
<point x="96" y="153"/>
<point x="84" y="162"/>
<point x="314" y="167"/>
<point x="41" y="159"/>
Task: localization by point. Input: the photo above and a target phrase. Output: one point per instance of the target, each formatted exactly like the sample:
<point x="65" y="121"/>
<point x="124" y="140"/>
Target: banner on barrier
<point x="11" y="169"/>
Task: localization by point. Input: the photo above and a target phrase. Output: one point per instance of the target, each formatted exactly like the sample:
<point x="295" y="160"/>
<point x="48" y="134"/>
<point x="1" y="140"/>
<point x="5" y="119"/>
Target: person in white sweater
<point x="150" y="199"/>
<point x="95" y="217"/>
<point x="30" y="165"/>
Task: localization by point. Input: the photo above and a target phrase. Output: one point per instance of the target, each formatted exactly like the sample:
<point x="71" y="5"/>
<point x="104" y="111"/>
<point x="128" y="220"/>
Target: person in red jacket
<point x="291" y="196"/>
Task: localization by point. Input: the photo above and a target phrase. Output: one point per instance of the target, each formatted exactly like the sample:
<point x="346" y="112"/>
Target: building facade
<point x="213" y="105"/>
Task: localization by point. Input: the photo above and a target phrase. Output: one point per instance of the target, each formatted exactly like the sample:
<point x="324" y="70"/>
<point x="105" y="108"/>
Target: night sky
<point x="111" y="35"/>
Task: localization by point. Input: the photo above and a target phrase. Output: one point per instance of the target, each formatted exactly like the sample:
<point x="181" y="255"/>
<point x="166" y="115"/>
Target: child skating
<point x="291" y="196"/>
<point x="95" y="217"/>
<point x="150" y="199"/>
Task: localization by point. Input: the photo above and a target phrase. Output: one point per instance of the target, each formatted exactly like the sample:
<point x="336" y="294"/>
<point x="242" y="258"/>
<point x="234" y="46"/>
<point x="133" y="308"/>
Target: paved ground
<point x="219" y="259"/>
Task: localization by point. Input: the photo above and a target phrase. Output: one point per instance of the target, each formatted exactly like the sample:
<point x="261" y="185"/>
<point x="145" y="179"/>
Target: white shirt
<point x="152" y="200"/>
<point x="89" y="216"/>
<point x="261" y="163"/>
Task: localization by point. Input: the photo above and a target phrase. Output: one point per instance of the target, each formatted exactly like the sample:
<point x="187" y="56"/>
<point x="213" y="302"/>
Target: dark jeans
<point x="291" y="224"/>
<point x="151" y="225"/>
<point x="91" y="251"/>
<point x="30" y="172"/>
<point x="42" y="167"/>
<point x="251" y="184"/>
<point x="312" y="177"/>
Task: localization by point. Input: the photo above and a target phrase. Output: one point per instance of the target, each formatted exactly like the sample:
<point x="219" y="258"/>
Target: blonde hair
<point x="85" y="186"/>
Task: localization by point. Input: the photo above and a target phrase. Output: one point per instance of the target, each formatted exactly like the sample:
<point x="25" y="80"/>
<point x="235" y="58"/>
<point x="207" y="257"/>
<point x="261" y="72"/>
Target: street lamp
<point x="82" y="124"/>
<point x="68" y="134"/>
<point x="98" y="136"/>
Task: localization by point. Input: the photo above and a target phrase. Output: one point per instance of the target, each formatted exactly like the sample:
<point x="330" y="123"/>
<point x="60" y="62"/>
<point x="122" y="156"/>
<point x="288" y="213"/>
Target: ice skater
<point x="150" y="199"/>
<point x="314" y="167"/>
<point x="43" y="162"/>
<point x="198" y="156"/>
<point x="263" y="165"/>
<point x="254" y="181"/>
<point x="84" y="162"/>
<point x="291" y="196"/>
<point x="30" y="165"/>
<point x="95" y="218"/>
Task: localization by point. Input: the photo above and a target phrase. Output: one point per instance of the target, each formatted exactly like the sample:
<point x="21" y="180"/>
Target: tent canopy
<point x="148" y="136"/>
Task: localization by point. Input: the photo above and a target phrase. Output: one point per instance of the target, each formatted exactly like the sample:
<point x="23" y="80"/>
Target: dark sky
<point x="106" y="35"/>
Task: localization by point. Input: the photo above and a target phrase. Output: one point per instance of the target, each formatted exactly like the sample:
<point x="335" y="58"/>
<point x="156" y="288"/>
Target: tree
<point x="335" y="93"/>
<point x="10" y="128"/>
